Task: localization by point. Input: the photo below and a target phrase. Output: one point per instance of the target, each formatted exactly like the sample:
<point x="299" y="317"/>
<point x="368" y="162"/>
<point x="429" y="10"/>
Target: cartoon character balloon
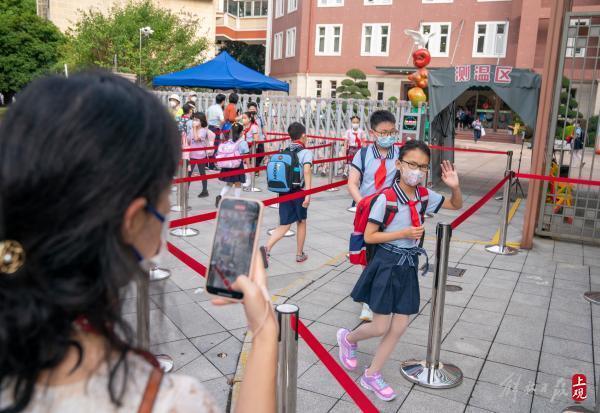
<point x="421" y="58"/>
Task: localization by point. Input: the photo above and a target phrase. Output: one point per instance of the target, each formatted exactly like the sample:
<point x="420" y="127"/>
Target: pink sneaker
<point x="347" y="350"/>
<point x="376" y="384"/>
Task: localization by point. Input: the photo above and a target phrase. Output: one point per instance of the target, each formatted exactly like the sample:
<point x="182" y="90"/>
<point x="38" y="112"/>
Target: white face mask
<point x="194" y="98"/>
<point x="147" y="264"/>
<point x="412" y="177"/>
<point x="172" y="103"/>
<point x="355" y="126"/>
<point x="196" y="122"/>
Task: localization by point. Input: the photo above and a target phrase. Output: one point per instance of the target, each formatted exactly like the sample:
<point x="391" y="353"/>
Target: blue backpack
<point x="284" y="173"/>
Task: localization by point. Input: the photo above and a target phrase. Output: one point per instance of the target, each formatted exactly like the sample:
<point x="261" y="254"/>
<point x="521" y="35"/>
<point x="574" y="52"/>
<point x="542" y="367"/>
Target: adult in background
<point x="215" y="119"/>
<point x="199" y="136"/>
<point x="73" y="234"/>
<point x="175" y="105"/>
<point x="476" y="129"/>
<point x="231" y="111"/>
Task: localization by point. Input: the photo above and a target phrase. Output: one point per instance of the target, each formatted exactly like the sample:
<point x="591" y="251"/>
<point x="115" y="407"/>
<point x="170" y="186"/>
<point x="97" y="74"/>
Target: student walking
<point x="374" y="167"/>
<point x="199" y="136"/>
<point x="389" y="284"/>
<point x="477" y="127"/>
<point x="232" y="146"/>
<point x="216" y="119"/>
<point x="251" y="136"/>
<point x="296" y="210"/>
<point x="353" y="140"/>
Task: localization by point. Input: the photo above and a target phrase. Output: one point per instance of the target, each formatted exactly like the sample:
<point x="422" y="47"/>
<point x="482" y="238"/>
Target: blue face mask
<point x="386" y="141"/>
<point x="149" y="263"/>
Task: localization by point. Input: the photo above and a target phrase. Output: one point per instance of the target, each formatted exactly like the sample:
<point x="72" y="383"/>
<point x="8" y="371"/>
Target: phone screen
<point x="233" y="245"/>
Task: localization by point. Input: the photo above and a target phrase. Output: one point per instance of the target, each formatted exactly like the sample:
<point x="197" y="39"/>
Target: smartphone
<point x="234" y="244"/>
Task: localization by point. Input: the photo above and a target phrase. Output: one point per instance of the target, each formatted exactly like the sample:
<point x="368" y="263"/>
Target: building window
<point x="375" y="39"/>
<point x="377" y="2"/>
<point x="292" y="5"/>
<point x="257" y="8"/>
<point x="279" y="8"/>
<point x="380" y="90"/>
<point x="328" y="40"/>
<point x="319" y="88"/>
<point x="277" y="45"/>
<point x="330" y="3"/>
<point x="290" y="42"/>
<point x="576" y="45"/>
<point x="438" y="1"/>
<point x="333" y="89"/>
<point x="439" y="43"/>
<point x="490" y="39"/>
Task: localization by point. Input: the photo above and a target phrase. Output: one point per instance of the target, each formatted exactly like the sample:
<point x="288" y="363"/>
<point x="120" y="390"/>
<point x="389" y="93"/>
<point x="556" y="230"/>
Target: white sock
<point x="224" y="190"/>
<point x="237" y="192"/>
<point x="248" y="180"/>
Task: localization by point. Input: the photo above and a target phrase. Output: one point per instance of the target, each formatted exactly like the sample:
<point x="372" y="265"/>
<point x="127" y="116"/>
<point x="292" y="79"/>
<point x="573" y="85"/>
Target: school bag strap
<point x="363" y="160"/>
<point x="424" y="195"/>
<point x="391" y="207"/>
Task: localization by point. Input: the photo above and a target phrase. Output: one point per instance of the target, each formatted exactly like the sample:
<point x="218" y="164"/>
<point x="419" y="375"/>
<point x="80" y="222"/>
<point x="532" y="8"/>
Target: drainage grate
<point x="452" y="271"/>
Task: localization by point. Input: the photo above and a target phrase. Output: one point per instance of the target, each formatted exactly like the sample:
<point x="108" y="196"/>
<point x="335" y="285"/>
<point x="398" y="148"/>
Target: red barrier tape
<point x="308" y="136"/>
<point x="207" y="148"/>
<point x="558" y="179"/>
<point x="349" y="385"/>
<point x="341" y="158"/>
<point x="219" y="175"/>
<point x="248" y="156"/>
<point x="473" y="208"/>
<point x="456" y="149"/>
<point x="211" y="215"/>
<point x="186" y="259"/>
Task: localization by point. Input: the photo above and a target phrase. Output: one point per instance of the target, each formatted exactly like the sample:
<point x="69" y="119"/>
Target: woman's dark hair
<point x="236" y="131"/>
<point x="67" y="174"/>
<point x="233" y="98"/>
<point x="202" y="117"/>
<point x="252" y="105"/>
<point x="414" y="145"/>
<point x="354" y="117"/>
<point x="188" y="107"/>
<point x="251" y="116"/>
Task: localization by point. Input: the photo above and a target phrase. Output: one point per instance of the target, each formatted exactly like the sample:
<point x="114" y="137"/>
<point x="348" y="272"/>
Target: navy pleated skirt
<point x="389" y="288"/>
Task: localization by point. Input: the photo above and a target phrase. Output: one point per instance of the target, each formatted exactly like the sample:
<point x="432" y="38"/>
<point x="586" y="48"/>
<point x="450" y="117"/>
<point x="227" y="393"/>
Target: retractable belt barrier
<point x="247" y="156"/>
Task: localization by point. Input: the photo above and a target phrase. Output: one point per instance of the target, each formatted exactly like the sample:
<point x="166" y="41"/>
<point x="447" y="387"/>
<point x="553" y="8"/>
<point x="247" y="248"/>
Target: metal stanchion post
<point x="431" y="372"/>
<point x="158" y="274"/>
<point x="502" y="248"/>
<point x="184" y="231"/>
<point x="509" y="156"/>
<point x="253" y="187"/>
<point x="332" y="168"/>
<point x="143" y="322"/>
<point x="182" y="174"/>
<point x="287" y="362"/>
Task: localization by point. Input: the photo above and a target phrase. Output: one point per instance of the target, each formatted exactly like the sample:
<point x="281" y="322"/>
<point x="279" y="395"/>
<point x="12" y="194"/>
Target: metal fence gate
<point x="324" y="117"/>
<point x="571" y="211"/>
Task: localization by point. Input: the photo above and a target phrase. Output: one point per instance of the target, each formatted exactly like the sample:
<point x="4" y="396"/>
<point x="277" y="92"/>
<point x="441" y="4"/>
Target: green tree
<point x="251" y="55"/>
<point x="356" y="87"/>
<point x="28" y="44"/>
<point x="97" y="38"/>
<point x="567" y="111"/>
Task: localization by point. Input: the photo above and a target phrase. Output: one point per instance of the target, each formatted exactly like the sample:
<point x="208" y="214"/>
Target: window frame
<point x="489" y="24"/>
<point x="375" y="39"/>
<point x="382" y="90"/>
<point x="292" y="6"/>
<point x="279" y="9"/>
<point x="378" y="2"/>
<point x="326" y="3"/>
<point x="329" y="30"/>
<point x="278" y="46"/>
<point x="318" y="88"/>
<point x="287" y="42"/>
<point x="439" y="35"/>
<point x="571" y="49"/>
<point x="333" y="89"/>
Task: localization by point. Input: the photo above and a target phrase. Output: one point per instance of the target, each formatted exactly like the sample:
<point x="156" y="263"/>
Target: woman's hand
<point x="413" y="232"/>
<point x="449" y="175"/>
<point x="256" y="301"/>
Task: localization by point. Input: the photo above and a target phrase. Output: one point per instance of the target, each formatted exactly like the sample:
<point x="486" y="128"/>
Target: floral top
<point x="177" y="394"/>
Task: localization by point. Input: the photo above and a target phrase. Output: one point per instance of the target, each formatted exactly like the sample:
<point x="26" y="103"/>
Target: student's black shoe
<point x="203" y="194"/>
<point x="217" y="201"/>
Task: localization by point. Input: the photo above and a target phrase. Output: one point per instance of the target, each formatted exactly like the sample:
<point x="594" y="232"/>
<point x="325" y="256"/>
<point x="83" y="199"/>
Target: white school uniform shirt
<point x="402" y="218"/>
<point x="249" y="136"/>
<point x="354" y="137"/>
<point x="372" y="162"/>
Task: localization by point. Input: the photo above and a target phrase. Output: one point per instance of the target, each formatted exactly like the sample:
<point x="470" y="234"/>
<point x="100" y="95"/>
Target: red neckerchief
<point x="357" y="141"/>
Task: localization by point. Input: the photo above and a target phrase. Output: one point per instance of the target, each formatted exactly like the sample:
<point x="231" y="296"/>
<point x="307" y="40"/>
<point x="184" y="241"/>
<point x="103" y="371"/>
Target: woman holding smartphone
<point x="73" y="234"/>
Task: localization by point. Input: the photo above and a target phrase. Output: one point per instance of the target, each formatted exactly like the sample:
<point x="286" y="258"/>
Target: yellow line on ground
<point x="511" y="214"/>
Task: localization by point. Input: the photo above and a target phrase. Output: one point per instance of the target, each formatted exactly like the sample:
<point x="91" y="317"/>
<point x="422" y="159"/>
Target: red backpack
<point x="361" y="252"/>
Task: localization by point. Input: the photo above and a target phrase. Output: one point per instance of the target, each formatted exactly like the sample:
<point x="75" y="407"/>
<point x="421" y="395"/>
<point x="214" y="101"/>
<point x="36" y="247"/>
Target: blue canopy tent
<point x="222" y="72"/>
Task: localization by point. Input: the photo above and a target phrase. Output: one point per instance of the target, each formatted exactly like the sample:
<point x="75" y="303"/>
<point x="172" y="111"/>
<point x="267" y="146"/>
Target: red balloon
<point x="421" y="58"/>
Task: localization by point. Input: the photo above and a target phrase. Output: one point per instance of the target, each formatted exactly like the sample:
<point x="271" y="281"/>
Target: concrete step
<point x="490" y="136"/>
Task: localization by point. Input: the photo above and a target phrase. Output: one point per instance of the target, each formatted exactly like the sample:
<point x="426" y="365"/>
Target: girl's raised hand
<point x="449" y="175"/>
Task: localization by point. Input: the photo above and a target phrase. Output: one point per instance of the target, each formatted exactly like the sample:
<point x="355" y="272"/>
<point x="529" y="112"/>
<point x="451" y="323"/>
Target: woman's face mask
<point x="411" y="177"/>
<point x="355" y="126"/>
<point x="194" y="98"/>
<point x="172" y="103"/>
<point x="196" y="122"/>
<point x="149" y="263"/>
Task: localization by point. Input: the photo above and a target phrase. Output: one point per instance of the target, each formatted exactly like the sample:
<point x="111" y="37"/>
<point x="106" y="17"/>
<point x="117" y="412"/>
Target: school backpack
<point x="360" y="252"/>
<point x="228" y="149"/>
<point x="284" y="172"/>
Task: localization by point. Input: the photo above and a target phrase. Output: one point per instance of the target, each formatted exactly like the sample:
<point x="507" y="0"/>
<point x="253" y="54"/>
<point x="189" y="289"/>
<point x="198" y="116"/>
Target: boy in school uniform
<point x="296" y="210"/>
<point x="374" y="166"/>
